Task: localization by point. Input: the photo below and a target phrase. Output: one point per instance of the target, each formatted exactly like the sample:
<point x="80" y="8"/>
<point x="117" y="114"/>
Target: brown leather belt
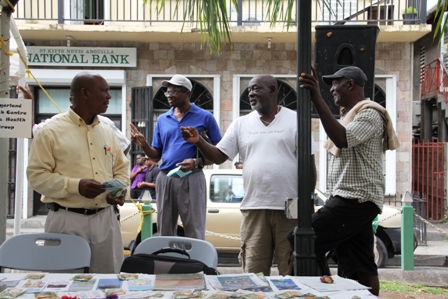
<point x="55" y="207"/>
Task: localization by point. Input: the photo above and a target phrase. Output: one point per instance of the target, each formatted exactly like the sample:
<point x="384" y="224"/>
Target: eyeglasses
<point x="171" y="92"/>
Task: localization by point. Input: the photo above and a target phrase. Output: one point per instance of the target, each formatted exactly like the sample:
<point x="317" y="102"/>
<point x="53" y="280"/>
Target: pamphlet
<point x="177" y="282"/>
<point x="285" y="284"/>
<point x="178" y="172"/>
<point x="11" y="293"/>
<point x="46" y="295"/>
<point x="109" y="283"/>
<point x="115" y="188"/>
<point x="78" y="285"/>
<point x="35" y="276"/>
<point x="59" y="285"/>
<point x="140" y="285"/>
<point x="236" y="282"/>
<point x="33" y="286"/>
<point x="126" y="276"/>
<point x="10" y="283"/>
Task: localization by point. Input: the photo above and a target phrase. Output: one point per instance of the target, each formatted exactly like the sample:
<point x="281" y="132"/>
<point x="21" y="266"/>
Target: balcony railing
<point x="434" y="81"/>
<point x="252" y="12"/>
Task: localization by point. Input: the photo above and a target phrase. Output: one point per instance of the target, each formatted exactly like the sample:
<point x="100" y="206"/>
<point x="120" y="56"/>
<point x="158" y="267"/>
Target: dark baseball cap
<point x="350" y="72"/>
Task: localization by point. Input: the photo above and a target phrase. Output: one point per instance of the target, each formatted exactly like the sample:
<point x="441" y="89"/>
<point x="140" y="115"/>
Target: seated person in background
<point x="235" y="194"/>
<point x="150" y="179"/>
<point x="230" y="195"/>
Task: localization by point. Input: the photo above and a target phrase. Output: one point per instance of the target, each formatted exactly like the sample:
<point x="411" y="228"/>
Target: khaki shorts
<point x="263" y="236"/>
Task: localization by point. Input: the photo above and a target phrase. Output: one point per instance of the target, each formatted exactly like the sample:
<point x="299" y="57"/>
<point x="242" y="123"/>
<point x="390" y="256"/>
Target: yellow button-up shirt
<point x="67" y="150"/>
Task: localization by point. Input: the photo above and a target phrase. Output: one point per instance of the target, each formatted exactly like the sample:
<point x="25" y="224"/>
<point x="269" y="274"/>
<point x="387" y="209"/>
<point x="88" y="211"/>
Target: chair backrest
<point x="45" y="252"/>
<point x="197" y="249"/>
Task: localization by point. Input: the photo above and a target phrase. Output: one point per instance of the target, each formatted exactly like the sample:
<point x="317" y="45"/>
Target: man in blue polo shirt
<point x="179" y="194"/>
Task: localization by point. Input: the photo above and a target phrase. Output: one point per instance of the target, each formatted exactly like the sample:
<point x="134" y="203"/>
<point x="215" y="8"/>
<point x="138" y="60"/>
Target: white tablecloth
<point x="102" y="284"/>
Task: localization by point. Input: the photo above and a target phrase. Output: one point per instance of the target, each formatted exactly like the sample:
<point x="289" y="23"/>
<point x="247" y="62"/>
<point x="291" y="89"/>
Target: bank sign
<point x="80" y="56"/>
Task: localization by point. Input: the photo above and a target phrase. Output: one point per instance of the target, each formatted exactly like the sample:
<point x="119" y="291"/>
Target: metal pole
<point x="407" y="233"/>
<point x="305" y="260"/>
<point x="4" y="142"/>
<point x="22" y="143"/>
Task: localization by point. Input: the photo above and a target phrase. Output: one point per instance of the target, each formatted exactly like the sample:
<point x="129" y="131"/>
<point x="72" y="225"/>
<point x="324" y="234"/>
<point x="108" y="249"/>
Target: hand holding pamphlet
<point x="115" y="188"/>
<point x="179" y="172"/>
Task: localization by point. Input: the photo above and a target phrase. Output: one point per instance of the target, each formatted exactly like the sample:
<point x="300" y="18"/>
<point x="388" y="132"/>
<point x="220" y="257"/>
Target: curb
<point x="428" y="276"/>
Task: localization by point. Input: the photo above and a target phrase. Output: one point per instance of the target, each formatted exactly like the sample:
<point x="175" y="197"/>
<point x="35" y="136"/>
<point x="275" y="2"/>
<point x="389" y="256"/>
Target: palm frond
<point x="442" y="22"/>
<point x="280" y="10"/>
<point x="209" y="15"/>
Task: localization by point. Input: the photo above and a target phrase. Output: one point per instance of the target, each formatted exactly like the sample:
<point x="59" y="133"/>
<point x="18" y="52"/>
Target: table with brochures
<point x="176" y="286"/>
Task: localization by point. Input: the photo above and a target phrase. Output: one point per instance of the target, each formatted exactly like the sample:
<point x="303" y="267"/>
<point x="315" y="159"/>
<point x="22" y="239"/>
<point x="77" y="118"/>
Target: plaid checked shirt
<point x="358" y="171"/>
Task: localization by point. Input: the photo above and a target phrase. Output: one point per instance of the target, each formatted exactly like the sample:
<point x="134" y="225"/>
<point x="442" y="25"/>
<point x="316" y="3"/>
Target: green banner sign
<point x="78" y="57"/>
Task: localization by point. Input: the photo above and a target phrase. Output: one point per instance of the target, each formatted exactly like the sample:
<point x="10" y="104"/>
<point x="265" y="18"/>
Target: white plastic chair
<point x="197" y="249"/>
<point x="45" y="252"/>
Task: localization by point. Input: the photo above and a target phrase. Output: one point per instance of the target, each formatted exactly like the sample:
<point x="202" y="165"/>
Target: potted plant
<point x="409" y="15"/>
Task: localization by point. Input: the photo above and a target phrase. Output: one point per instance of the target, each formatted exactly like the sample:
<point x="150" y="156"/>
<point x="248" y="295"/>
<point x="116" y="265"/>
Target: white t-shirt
<point x="124" y="141"/>
<point x="270" y="158"/>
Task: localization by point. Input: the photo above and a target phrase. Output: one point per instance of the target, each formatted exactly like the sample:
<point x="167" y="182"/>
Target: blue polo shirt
<point x="168" y="140"/>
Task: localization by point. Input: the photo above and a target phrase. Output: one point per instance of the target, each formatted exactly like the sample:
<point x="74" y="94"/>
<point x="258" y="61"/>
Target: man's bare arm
<point x="210" y="152"/>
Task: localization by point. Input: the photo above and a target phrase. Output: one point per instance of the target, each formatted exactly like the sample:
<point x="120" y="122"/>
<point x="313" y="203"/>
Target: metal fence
<point x="419" y="204"/>
<point x="428" y="176"/>
<point x="247" y="13"/>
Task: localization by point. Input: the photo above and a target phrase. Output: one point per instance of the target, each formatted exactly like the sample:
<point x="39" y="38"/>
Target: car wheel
<point x="380" y="252"/>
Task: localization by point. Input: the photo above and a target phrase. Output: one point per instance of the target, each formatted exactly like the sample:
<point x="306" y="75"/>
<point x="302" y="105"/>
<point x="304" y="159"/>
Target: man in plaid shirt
<point x="355" y="178"/>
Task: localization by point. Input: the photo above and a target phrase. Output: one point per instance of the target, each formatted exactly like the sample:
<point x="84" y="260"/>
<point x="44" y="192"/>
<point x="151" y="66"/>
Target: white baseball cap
<point x="178" y="80"/>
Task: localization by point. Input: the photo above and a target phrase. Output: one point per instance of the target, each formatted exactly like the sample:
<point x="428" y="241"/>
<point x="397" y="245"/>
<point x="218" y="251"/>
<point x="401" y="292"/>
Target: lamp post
<point x="305" y="260"/>
<point x="4" y="93"/>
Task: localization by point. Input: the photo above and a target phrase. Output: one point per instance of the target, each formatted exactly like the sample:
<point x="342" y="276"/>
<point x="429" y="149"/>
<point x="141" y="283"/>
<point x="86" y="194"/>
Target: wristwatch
<point x="196" y="164"/>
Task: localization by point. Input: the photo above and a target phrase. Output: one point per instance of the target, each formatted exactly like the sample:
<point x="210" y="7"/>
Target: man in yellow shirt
<point x="70" y="159"/>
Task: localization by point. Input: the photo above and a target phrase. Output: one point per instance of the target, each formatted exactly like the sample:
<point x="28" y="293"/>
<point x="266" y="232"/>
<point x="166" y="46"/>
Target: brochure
<point x="11" y="293"/>
<point x="115" y="188"/>
<point x="109" y="283"/>
<point x="237" y="282"/>
<point x="140" y="285"/>
<point x="285" y="284"/>
<point x="78" y="285"/>
<point x="59" y="285"/>
<point x="178" y="282"/>
<point x="33" y="286"/>
<point x="178" y="172"/>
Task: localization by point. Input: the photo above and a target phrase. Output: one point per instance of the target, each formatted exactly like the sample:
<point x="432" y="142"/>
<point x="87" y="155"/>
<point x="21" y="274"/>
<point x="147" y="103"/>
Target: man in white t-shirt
<point x="266" y="140"/>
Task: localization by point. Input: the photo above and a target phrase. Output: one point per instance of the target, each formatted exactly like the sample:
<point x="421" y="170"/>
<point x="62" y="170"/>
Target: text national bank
<point x="76" y="56"/>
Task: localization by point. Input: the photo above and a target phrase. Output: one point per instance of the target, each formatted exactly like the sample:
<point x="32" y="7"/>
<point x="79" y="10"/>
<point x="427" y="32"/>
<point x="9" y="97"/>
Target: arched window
<point x="199" y="95"/>
<point x="287" y="97"/>
<point x="379" y="96"/>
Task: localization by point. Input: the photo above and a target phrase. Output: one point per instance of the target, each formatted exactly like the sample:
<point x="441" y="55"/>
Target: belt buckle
<point x="90" y="211"/>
